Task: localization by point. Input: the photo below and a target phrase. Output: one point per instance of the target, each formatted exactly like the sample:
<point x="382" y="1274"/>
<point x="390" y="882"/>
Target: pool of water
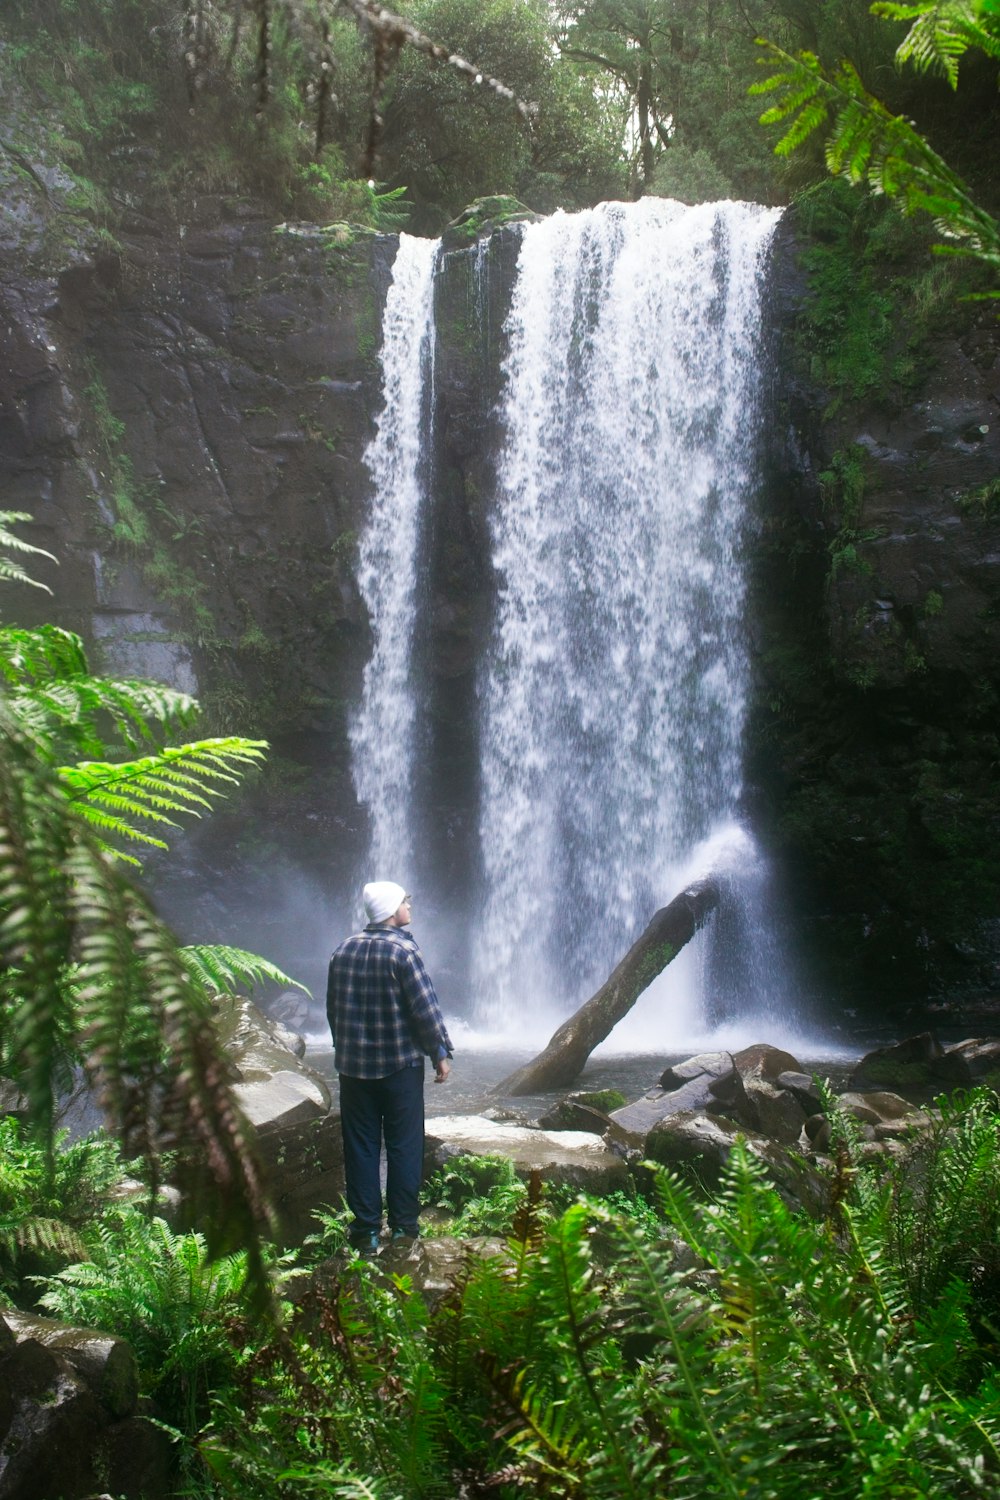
<point x="472" y="1084"/>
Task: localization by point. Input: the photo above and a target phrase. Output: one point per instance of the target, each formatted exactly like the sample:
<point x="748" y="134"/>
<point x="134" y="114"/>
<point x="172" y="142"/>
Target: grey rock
<point x="801" y="1087"/>
<point x="570" y="1157"/>
<point x="777" y="1112"/>
<point x="304" y="1171"/>
<point x="976" y="1060"/>
<point x="702" y="1144"/>
<point x="907" y="1064"/>
<point x="105" y="1362"/>
<point x="761" y="1060"/>
<point x="273" y="1087"/>
<point x="709" y="1082"/>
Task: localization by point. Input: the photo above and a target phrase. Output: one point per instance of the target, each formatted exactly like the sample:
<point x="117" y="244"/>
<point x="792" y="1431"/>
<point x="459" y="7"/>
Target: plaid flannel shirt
<point x="381" y="1005"/>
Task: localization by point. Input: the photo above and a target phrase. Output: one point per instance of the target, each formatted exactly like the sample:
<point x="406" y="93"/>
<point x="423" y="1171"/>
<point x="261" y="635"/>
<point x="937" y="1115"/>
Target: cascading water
<point x="383" y="731"/>
<point x="613" y="692"/>
<point x="613" y="695"/>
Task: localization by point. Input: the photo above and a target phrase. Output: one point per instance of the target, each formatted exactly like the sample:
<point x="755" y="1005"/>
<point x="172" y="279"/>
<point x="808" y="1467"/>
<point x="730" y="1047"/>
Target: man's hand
<point x="442" y="1070"/>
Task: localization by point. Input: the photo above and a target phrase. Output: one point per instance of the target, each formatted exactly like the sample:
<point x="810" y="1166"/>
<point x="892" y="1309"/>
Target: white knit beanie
<point x="382" y="899"/>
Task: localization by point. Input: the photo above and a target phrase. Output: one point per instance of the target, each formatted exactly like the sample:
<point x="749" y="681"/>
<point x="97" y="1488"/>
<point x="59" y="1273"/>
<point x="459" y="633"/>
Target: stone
<point x="801" y="1087"/>
<point x="105" y="1362"/>
<point x="575" y="1113"/>
<point x="761" y="1060"/>
<point x="565" y="1157"/>
<point x="303" y="1171"/>
<point x="12" y="1101"/>
<point x="50" y="1424"/>
<point x="702" y="1144"/>
<point x="976" y="1060"/>
<point x="708" y="1082"/>
<point x="273" y="1087"/>
<point x="907" y="1064"/>
<point x="777" y="1112"/>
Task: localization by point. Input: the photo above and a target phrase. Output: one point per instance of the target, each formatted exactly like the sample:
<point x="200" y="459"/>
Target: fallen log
<point x="566" y="1054"/>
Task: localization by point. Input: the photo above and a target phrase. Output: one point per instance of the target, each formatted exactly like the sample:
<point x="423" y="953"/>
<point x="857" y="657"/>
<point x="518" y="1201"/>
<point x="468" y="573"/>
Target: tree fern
<point x="867" y="144"/>
<point x="135" y="1013"/>
<point x="119" y="798"/>
<point x="11" y="570"/>
<point x="55" y="695"/>
<point x="223" y="970"/>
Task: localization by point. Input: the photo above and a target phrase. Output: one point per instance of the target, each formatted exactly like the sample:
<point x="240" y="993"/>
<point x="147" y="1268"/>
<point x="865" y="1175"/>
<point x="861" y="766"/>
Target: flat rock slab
<point x="564" y="1156"/>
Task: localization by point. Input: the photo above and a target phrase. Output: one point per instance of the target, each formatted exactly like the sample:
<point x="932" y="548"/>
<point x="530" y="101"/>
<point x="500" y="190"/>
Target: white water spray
<point x="614" y="694"/>
<point x="383" y="731"/>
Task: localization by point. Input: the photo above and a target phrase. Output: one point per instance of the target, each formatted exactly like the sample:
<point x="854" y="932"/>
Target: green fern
<point x="118" y="798"/>
<point x="141" y="1023"/>
<point x="942" y="32"/>
<point x="160" y="1291"/>
<point x="53" y="693"/>
<point x="867" y="144"/>
<point x="10" y="570"/>
<point x="223" y="970"/>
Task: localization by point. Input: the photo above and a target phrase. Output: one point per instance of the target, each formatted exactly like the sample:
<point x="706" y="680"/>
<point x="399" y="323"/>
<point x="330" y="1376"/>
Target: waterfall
<point x="383" y="732"/>
<point x="613" y="695"/>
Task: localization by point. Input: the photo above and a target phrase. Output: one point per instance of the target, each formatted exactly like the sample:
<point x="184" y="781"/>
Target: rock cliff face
<point x="878" y="632"/>
<point x="186" y="418"/>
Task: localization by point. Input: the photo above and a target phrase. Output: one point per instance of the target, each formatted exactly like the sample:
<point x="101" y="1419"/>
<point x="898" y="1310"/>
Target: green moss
<point x="874" y="303"/>
<point x="605" y="1100"/>
<point x="481" y="217"/>
<point x="982" y="501"/>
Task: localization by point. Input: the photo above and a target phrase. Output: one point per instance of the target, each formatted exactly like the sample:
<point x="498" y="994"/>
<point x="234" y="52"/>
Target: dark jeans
<point x="371" y="1108"/>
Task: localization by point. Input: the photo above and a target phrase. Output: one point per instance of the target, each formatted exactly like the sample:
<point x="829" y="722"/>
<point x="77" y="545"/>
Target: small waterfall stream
<point x="613" y="691"/>
<point x="383" y="731"/>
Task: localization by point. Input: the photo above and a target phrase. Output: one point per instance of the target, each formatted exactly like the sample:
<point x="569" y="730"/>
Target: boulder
<point x="586" y="1112"/>
<point x="303" y="1171"/>
<point x="761" y="1060"/>
<point x="803" y="1088"/>
<point x="293" y="1010"/>
<point x="12" y="1101"/>
<point x="708" y="1083"/>
<point x="701" y="1144"/>
<point x="776" y="1112"/>
<point x="968" y="1063"/>
<point x="105" y="1362"/>
<point x="889" y="1116"/>
<point x="570" y="1157"/>
<point x="910" y="1064"/>
<point x="56" y="1439"/>
<point x="273" y="1087"/>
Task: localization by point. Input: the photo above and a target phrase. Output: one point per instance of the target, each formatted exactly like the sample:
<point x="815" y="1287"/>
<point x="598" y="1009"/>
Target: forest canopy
<point x="609" y="98"/>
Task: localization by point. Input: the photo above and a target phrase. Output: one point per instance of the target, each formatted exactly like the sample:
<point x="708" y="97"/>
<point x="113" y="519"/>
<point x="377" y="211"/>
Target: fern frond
<point x="942" y="32"/>
<point x="868" y="144"/>
<point x="36" y="927"/>
<point x="54" y="695"/>
<point x="11" y="571"/>
<point x="220" y="969"/>
<point x="181" y="780"/>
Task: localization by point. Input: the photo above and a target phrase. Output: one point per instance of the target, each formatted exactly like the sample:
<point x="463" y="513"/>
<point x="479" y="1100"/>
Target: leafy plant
<point x="866" y="143"/>
<point x="142" y="1024"/>
<point x="47" y="1200"/>
<point x="161" y="1292"/>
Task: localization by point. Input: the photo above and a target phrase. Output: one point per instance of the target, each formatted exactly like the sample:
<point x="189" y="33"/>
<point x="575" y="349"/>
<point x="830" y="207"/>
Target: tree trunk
<point x="566" y="1054"/>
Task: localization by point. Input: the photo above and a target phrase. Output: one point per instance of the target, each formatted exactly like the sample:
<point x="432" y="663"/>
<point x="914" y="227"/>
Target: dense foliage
<point x="90" y="978"/>
<point x="187" y="98"/>
<point x="684" y="1346"/>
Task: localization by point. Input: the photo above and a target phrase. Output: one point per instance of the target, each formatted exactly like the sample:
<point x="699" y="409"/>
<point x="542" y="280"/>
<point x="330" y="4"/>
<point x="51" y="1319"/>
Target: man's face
<point x="401" y="916"/>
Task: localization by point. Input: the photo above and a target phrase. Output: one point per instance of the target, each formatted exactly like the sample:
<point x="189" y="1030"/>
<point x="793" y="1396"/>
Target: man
<point x="385" y="1018"/>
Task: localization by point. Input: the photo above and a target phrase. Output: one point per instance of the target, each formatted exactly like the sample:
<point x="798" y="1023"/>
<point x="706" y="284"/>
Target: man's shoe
<point x="403" y="1236"/>
<point x="364" y="1244"/>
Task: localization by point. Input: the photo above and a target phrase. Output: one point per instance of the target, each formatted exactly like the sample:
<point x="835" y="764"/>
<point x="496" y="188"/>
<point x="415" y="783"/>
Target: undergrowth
<point x="684" y="1347"/>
